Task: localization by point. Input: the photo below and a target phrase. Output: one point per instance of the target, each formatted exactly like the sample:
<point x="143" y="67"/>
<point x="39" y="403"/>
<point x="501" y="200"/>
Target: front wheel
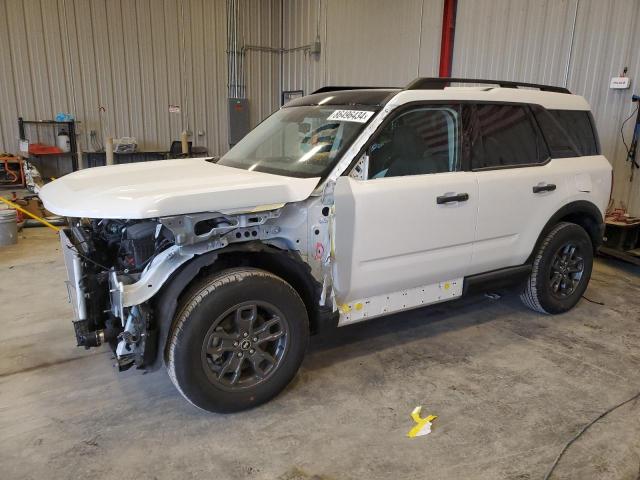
<point x="561" y="270"/>
<point x="238" y="340"/>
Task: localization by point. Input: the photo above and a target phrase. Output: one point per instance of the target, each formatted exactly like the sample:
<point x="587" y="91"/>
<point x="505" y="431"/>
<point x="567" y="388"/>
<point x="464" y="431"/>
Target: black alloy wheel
<point x="566" y="270"/>
<point x="244" y="345"/>
<point x="561" y="269"/>
<point x="238" y="339"/>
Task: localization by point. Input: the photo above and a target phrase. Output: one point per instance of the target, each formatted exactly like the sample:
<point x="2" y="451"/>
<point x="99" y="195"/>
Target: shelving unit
<point x="71" y="131"/>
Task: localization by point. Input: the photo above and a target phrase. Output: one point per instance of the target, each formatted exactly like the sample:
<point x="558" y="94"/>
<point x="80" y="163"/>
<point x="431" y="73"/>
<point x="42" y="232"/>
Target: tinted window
<point x="505" y="135"/>
<point x="420" y="141"/>
<point x="560" y="143"/>
<point x="577" y="124"/>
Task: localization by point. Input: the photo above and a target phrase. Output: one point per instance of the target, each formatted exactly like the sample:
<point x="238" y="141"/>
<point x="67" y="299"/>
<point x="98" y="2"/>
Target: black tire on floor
<point x="539" y="293"/>
<point x="208" y="350"/>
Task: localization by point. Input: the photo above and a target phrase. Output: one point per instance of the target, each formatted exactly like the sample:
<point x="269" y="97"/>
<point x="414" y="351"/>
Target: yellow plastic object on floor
<point x="423" y="425"/>
<point x="35" y="217"/>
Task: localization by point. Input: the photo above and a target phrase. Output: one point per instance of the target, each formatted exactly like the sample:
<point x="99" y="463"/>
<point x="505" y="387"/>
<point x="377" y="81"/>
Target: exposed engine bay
<point x="97" y="253"/>
<point x="116" y="267"/>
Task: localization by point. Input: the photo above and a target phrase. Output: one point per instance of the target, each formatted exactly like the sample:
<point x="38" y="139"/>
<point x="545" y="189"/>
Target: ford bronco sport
<point x="344" y="205"/>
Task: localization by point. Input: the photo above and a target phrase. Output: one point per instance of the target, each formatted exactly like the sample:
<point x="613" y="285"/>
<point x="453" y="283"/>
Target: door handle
<point x="549" y="187"/>
<point x="458" y="197"/>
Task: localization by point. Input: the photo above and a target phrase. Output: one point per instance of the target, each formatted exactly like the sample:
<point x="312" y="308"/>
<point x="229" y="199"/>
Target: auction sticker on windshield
<point x="360" y="116"/>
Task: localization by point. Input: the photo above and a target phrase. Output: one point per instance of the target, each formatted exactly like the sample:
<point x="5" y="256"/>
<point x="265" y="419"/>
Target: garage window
<point x="505" y="136"/>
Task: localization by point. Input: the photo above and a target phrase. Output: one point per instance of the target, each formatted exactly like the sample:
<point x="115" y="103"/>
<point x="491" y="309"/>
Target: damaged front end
<point x="117" y="267"/>
<point x="99" y="255"/>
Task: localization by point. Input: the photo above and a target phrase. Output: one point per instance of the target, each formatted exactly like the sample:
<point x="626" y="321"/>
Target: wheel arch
<point x="581" y="212"/>
<point x="286" y="264"/>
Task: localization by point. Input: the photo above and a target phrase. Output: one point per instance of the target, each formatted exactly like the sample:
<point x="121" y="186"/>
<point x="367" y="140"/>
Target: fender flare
<point x="297" y="272"/>
<point x="582" y="212"/>
<point x="165" y="303"/>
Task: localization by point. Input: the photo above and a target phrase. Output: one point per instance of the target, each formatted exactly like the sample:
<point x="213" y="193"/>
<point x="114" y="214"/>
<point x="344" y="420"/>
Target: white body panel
<point x="552" y="100"/>
<point x="168" y="187"/>
<point x="511" y="216"/>
<point x="390" y="235"/>
<point x="379" y="305"/>
<point x="391" y="238"/>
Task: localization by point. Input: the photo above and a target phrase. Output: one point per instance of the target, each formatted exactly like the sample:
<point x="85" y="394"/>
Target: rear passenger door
<point x="520" y="188"/>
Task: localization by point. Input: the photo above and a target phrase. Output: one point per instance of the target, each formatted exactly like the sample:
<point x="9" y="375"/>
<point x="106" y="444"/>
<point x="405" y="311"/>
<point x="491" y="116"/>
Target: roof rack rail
<point x="437" y="83"/>
<point x="335" y="88"/>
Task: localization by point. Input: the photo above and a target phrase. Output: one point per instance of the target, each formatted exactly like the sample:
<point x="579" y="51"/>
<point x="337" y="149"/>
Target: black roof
<point x="374" y="97"/>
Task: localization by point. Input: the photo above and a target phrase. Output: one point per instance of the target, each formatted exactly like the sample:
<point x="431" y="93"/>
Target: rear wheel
<point x="561" y="270"/>
<point x="238" y="340"/>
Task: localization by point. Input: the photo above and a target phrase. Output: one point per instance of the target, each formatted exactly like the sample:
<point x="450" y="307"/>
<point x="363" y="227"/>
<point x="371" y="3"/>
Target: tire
<point x="559" y="275"/>
<point x="213" y="364"/>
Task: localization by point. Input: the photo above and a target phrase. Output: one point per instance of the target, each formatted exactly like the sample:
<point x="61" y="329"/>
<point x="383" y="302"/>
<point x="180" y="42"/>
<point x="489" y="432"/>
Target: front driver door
<point x="411" y="221"/>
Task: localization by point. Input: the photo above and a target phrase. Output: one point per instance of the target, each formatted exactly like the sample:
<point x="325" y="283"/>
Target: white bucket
<point x="8" y="227"/>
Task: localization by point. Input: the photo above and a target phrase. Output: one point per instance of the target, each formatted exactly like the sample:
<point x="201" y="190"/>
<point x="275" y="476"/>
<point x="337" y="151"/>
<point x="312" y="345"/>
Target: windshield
<point x="303" y="141"/>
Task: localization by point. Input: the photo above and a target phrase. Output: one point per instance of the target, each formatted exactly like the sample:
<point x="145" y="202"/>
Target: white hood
<point x="168" y="187"/>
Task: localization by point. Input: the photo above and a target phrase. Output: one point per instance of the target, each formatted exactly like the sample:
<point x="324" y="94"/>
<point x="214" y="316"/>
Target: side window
<point x="506" y="136"/>
<point x="578" y="124"/>
<point x="419" y="141"/>
<point x="561" y="144"/>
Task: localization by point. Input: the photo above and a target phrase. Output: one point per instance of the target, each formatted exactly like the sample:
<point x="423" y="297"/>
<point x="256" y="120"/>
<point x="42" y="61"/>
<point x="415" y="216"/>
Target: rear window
<point x="579" y="126"/>
<point x="505" y="135"/>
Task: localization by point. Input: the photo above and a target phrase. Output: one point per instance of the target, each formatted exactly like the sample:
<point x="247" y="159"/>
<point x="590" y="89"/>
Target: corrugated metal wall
<point x="117" y="65"/>
<point x="364" y="42"/>
<point x="525" y="40"/>
<point x="262" y="25"/>
<point x="530" y="40"/>
<point x="607" y="40"/>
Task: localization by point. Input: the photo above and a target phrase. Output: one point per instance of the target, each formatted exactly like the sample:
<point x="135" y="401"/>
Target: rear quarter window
<point x="578" y="126"/>
<point x="561" y="144"/>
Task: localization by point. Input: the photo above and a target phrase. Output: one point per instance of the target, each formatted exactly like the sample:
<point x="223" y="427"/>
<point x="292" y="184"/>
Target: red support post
<point x="448" y="35"/>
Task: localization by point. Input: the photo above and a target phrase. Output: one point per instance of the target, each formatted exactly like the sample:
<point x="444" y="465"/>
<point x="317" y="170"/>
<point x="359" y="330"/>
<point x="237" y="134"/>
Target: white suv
<point x="344" y="205"/>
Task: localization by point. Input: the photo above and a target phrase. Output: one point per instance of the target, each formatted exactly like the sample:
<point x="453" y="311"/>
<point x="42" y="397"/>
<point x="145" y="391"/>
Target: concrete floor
<point x="510" y="387"/>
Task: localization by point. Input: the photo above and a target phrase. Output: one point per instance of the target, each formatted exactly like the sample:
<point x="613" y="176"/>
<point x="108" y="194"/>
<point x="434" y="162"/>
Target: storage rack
<point x="71" y="130"/>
